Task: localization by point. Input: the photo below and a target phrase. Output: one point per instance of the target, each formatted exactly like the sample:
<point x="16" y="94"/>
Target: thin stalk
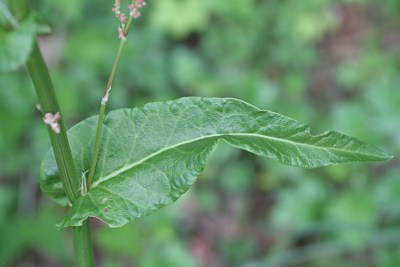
<point x="104" y="101"/>
<point x="128" y="25"/>
<point x="40" y="77"/>
<point x="100" y="121"/>
<point x="96" y="146"/>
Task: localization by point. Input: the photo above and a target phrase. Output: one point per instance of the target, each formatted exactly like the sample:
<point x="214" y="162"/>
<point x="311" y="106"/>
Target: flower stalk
<point x="53" y="118"/>
<point x="44" y="88"/>
<point x="123" y="30"/>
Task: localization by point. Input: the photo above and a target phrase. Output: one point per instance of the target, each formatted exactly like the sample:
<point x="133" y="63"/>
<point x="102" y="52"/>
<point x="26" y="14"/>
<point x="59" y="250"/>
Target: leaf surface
<point x="150" y="156"/>
<point x="16" y="45"/>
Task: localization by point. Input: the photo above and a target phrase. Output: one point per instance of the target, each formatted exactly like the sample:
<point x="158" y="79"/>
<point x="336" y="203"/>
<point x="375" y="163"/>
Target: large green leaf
<point x="16" y="45"/>
<point x="151" y="155"/>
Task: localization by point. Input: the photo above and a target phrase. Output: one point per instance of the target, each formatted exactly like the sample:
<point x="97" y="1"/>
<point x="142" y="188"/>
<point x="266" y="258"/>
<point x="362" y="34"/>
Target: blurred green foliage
<point x="332" y="64"/>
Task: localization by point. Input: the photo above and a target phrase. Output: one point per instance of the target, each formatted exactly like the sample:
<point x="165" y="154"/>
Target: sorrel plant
<point x="133" y="161"/>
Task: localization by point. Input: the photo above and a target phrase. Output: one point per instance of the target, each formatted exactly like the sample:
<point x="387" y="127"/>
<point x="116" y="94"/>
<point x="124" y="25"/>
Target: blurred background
<point x="331" y="64"/>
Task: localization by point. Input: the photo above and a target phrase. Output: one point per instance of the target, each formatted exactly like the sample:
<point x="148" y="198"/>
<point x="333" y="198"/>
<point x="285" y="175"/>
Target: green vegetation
<point x="152" y="155"/>
<point x="328" y="63"/>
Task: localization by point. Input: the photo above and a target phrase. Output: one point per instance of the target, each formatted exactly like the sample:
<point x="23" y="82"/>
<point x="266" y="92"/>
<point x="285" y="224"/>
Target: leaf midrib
<point x="136" y="163"/>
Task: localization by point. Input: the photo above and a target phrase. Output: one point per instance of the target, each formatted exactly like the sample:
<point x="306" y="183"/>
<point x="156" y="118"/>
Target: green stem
<point x="70" y="179"/>
<point x="128" y="25"/>
<point x="104" y="101"/>
<point x="44" y="89"/>
<point x="83" y="245"/>
<point x="100" y="121"/>
<point x="40" y="77"/>
<point x="96" y="146"/>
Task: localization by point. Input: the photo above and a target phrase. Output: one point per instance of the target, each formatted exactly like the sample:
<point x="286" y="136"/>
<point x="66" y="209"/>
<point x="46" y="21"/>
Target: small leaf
<point x="43" y="26"/>
<point x="16" y="45"/>
<point x="151" y="155"/>
<point x="5" y="16"/>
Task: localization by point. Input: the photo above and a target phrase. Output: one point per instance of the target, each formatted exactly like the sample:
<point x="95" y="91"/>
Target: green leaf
<point x="151" y="155"/>
<point x="5" y="17"/>
<point x="43" y="26"/>
<point x="16" y="45"/>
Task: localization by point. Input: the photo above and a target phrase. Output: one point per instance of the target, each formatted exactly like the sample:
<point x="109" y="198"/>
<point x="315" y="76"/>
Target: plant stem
<point x="100" y="121"/>
<point x="40" y="77"/>
<point x="39" y="73"/>
<point x="104" y="101"/>
<point x="44" y="89"/>
<point x="71" y="181"/>
<point x="96" y="146"/>
<point x="83" y="245"/>
<point x="128" y="25"/>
